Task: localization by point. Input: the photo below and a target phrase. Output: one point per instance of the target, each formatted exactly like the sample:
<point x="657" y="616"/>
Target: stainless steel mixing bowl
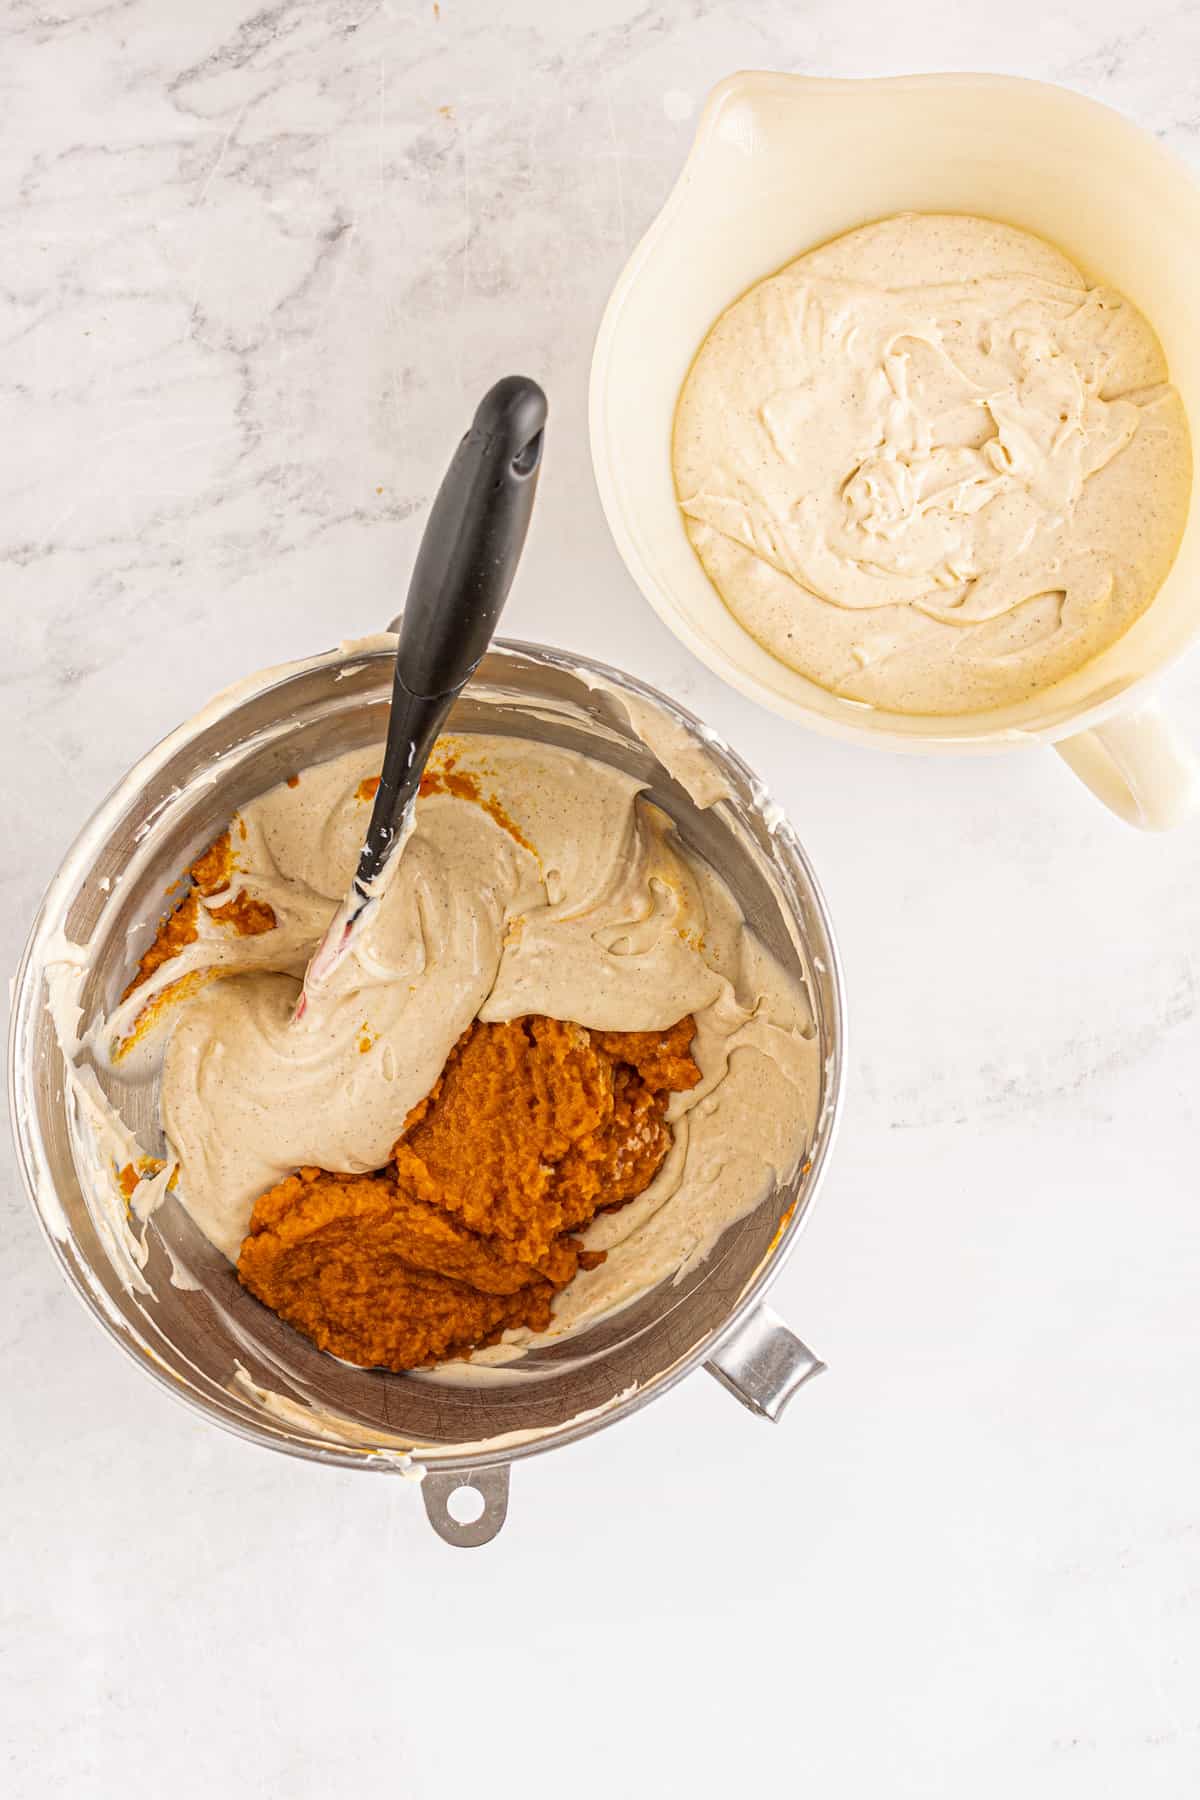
<point x="185" y="1318"/>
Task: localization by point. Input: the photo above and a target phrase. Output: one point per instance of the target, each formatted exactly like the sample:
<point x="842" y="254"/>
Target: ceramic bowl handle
<point x="1139" y="766"/>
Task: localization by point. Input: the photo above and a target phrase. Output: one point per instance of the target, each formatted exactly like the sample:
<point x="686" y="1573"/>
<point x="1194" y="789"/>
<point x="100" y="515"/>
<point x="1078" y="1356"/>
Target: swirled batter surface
<point x="554" y="1066"/>
<point x="931" y="467"/>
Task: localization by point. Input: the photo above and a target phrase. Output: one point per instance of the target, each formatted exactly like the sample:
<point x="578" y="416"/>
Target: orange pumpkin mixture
<point x="532" y="1128"/>
<point x="211" y="873"/>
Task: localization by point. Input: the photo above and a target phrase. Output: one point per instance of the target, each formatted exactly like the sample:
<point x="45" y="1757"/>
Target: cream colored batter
<point x="930" y="467"/>
<point x="590" y="909"/>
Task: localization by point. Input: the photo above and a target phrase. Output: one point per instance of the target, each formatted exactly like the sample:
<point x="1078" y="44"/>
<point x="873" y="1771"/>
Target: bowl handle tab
<point x="1139" y="766"/>
<point x="763" y="1363"/>
<point x="489" y="1485"/>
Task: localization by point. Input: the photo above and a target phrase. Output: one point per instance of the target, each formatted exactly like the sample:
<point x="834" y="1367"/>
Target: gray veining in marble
<point x="256" y="264"/>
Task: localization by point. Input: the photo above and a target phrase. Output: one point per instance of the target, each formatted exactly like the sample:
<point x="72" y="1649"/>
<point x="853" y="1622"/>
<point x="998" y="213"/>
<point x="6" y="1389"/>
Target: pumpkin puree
<point x="532" y="1127"/>
<point x="211" y="873"/>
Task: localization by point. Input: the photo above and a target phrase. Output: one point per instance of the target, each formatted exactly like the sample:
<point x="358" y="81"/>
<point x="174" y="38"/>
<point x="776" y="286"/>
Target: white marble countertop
<point x="256" y="262"/>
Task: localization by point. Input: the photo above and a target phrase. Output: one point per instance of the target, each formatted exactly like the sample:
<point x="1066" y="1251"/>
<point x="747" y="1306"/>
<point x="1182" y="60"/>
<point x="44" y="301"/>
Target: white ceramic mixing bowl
<point x="782" y="163"/>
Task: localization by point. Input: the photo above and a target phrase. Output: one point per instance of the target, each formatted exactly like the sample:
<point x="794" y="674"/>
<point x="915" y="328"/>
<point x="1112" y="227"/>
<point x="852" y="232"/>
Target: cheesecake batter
<point x="537" y="885"/>
<point x="932" y="468"/>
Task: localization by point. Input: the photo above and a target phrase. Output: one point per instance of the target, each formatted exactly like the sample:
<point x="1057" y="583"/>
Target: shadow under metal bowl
<point x="186" y="1318"/>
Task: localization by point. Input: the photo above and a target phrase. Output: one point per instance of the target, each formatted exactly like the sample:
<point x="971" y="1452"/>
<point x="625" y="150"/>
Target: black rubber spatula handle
<point x="460" y="581"/>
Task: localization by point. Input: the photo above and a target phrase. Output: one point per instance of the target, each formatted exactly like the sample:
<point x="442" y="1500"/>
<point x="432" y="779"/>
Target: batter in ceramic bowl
<point x="553" y="1068"/>
<point x="932" y="468"/>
